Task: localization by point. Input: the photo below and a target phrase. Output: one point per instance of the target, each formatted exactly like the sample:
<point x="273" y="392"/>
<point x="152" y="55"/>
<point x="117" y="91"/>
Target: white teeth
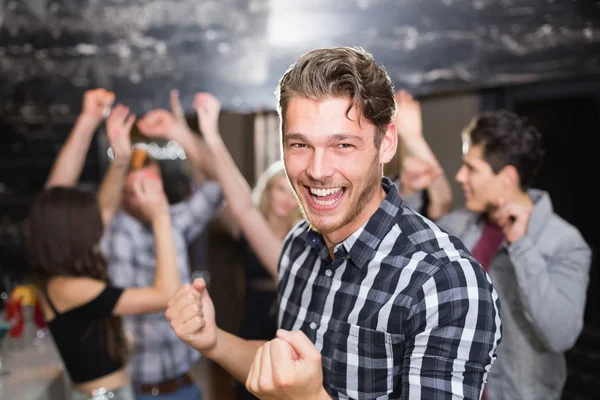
<point x="324" y="203"/>
<point x="316" y="193"/>
<point x="324" y="192"/>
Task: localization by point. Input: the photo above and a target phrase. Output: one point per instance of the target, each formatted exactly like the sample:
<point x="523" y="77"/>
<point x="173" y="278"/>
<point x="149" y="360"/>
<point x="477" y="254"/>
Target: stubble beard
<point x="353" y="210"/>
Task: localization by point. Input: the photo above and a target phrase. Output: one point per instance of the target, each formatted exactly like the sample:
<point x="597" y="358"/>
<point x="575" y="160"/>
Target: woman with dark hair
<point x="79" y="303"/>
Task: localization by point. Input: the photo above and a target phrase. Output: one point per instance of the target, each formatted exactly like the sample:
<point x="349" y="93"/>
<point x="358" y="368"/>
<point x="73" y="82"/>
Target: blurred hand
<point x="118" y="130"/>
<point x="176" y="107"/>
<point x="288" y="367"/>
<point x="161" y="123"/>
<point x="417" y="174"/>
<point x="191" y="314"/>
<point x="513" y="218"/>
<point x="408" y="116"/>
<point x="208" y="108"/>
<point x="96" y="103"/>
<point x="150" y="195"/>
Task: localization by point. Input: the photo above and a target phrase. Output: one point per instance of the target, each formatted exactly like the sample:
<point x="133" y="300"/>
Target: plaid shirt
<point x="402" y="312"/>
<point x="130" y="249"/>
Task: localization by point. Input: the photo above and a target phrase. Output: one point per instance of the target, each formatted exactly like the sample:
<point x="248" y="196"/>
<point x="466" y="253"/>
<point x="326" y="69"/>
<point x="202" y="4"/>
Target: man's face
<point x="481" y="186"/>
<point x="130" y="200"/>
<point x="332" y="163"/>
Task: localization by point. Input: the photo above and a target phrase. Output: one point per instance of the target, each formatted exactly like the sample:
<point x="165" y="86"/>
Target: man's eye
<point x="345" y="146"/>
<point x="298" y="145"/>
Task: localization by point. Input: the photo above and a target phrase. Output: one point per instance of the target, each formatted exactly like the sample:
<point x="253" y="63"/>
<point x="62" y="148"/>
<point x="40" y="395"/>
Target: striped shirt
<point x="403" y="311"/>
<point x="129" y="247"/>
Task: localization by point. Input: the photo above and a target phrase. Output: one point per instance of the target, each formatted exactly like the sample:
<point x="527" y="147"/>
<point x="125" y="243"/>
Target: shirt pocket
<point x="362" y="362"/>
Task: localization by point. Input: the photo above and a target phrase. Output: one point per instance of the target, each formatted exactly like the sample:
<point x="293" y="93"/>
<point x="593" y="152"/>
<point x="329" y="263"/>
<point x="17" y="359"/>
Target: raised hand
<point x="208" y="108"/>
<point x="118" y="130"/>
<point x="408" y="116"/>
<point x="176" y="107"/>
<point x="513" y="218"/>
<point x="97" y="103"/>
<point x="192" y="316"/>
<point x="417" y="174"/>
<point x="161" y="123"/>
<point x="288" y="367"/>
<point x="150" y="195"/>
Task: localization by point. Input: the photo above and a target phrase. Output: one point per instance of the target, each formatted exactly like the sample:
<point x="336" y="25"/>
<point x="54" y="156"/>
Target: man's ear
<point x="509" y="176"/>
<point x="389" y="144"/>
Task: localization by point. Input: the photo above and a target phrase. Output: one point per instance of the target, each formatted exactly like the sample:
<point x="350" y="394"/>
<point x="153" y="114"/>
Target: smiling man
<point x="375" y="300"/>
<point x="333" y="163"/>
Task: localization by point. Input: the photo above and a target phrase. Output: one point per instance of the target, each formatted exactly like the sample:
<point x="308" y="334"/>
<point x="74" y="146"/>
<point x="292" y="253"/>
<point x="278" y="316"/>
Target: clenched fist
<point x="96" y="103"/>
<point x="287" y="368"/>
<point x="192" y="316"/>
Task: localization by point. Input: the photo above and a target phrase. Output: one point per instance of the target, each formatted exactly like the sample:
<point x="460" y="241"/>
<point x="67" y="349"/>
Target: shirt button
<point x="328" y="272"/>
<point x="313" y="325"/>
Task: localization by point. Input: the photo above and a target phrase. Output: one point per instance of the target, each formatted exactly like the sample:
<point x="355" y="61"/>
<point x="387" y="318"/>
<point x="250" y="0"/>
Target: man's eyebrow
<point x="468" y="164"/>
<point x="340" y="137"/>
<point x="295" y="136"/>
<point x="337" y="137"/>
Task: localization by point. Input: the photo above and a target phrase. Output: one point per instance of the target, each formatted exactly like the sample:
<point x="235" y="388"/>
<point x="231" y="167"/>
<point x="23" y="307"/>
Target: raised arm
<point x="552" y="287"/>
<point x="167" y="279"/>
<point x="71" y="158"/>
<point x="78" y="291"/>
<point x="171" y="125"/>
<point x="432" y="177"/>
<point x="238" y="195"/>
<point x="192" y="316"/>
<point x="198" y="163"/>
<point x="118" y="127"/>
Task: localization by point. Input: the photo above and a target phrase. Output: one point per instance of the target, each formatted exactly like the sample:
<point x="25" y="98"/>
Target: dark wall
<point x="50" y="52"/>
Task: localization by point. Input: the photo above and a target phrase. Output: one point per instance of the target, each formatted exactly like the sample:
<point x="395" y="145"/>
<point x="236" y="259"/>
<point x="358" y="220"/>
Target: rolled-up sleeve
<point x="454" y="331"/>
<point x="192" y="216"/>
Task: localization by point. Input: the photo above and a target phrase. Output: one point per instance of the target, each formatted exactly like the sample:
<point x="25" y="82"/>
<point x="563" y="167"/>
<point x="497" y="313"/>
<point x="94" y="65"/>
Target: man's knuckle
<point x="264" y="384"/>
<point x="282" y="381"/>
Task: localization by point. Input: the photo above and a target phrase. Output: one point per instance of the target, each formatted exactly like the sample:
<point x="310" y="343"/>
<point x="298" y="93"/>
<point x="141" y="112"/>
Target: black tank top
<point x="78" y="338"/>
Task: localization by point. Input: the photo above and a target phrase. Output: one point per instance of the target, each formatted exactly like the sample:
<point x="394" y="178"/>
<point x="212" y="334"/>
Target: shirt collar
<point x="361" y="246"/>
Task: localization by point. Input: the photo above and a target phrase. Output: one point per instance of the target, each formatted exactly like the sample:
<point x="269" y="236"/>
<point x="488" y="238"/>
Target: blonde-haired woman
<point x="273" y="197"/>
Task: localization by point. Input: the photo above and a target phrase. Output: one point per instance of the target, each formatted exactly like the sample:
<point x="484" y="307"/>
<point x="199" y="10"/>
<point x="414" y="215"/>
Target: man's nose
<point x="460" y="175"/>
<point x="320" y="167"/>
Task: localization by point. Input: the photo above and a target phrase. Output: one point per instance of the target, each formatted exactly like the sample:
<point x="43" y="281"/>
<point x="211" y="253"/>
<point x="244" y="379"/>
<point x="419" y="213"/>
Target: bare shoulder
<point x="67" y="293"/>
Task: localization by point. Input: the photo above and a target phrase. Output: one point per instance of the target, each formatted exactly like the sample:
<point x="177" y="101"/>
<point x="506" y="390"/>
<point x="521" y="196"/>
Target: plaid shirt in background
<point x="402" y="312"/>
<point x="129" y="247"/>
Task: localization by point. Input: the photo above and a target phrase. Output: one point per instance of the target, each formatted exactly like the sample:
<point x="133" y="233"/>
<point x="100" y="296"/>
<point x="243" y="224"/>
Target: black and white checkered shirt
<point x="402" y="312"/>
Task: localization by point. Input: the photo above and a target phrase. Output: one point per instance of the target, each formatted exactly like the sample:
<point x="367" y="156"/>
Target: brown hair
<point x="64" y="231"/>
<point x="341" y="72"/>
<point x="507" y="139"/>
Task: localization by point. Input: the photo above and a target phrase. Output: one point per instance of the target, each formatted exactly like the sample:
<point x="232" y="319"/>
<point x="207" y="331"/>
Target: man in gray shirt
<point x="538" y="262"/>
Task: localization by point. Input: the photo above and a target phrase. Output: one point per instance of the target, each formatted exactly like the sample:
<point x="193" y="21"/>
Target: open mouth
<point x="466" y="193"/>
<point x="324" y="199"/>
